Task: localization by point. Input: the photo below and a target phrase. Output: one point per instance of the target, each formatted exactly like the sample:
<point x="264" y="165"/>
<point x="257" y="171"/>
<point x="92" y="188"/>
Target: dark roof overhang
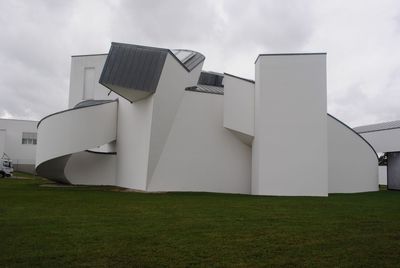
<point x="134" y="71"/>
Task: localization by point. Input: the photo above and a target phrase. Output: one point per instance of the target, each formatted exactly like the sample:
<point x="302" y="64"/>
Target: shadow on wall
<point x="27" y="168"/>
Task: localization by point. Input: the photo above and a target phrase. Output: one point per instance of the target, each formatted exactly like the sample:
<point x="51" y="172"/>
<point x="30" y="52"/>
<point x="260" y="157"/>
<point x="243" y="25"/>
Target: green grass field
<point x="102" y="226"/>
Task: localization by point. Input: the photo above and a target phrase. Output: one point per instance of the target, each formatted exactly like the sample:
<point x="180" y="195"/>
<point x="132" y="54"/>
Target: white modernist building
<point x="150" y="119"/>
<point x="18" y="142"/>
<point x="385" y="138"/>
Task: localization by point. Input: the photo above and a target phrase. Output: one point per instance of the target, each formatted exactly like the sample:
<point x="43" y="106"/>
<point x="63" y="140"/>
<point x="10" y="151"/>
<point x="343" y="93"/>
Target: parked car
<point x="6" y="167"/>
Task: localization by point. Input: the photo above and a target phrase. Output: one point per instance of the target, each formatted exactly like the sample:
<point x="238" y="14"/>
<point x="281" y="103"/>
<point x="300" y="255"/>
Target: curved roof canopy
<point x="378" y="127"/>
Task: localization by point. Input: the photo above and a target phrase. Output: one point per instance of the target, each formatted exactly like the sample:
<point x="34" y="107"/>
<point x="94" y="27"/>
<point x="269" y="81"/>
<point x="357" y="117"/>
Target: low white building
<point x="18" y="141"/>
<point x="150" y="119"/>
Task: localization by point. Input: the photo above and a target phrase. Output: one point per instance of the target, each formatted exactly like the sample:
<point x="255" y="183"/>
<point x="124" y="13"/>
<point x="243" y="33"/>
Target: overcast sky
<point x="362" y="39"/>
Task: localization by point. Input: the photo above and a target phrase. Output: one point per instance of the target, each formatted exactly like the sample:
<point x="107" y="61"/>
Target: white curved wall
<point x="86" y="168"/>
<point x="353" y="165"/>
<point x="200" y="154"/>
<point x="76" y="130"/>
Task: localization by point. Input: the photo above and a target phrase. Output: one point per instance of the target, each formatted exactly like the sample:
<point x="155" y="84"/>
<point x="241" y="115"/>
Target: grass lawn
<point x="100" y="226"/>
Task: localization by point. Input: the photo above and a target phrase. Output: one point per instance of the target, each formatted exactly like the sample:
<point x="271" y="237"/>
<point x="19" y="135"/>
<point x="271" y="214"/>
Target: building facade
<point x="18" y="140"/>
<point x="151" y="119"/>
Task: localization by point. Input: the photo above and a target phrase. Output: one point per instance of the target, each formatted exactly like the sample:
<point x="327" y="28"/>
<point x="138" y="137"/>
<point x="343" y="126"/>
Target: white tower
<point x="290" y="140"/>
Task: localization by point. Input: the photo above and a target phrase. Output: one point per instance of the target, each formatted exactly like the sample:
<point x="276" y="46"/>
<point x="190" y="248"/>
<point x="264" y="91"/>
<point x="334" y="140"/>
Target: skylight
<point x="183" y="55"/>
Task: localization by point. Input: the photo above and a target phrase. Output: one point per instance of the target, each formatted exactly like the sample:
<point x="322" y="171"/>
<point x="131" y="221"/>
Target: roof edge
<point x="241" y="78"/>
<point x="89" y="55"/>
<point x="77" y="108"/>
<point x="165" y="50"/>
<point x="375" y="130"/>
<point x="290" y="54"/>
<point x="16" y="119"/>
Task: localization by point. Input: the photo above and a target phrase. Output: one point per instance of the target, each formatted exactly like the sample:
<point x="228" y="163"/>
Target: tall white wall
<point x="144" y="126"/>
<point x="353" y="165"/>
<point x="239" y="105"/>
<point x="167" y="99"/>
<point x="85" y="74"/>
<point x="23" y="154"/>
<point x="200" y="154"/>
<point x="133" y="141"/>
<point x="384" y="140"/>
<point x="290" y="139"/>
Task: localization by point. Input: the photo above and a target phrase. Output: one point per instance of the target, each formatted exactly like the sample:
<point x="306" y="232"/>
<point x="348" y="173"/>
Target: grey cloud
<point x="278" y="26"/>
<point x="38" y="38"/>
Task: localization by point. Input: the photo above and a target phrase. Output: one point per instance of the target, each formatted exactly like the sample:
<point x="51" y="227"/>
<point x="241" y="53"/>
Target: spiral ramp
<point x="69" y="139"/>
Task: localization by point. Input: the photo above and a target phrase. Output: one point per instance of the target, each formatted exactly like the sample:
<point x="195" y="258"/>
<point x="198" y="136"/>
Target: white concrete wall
<point x="384" y="140"/>
<point x="76" y="130"/>
<point x="239" y="105"/>
<point x="290" y="139"/>
<point x="382" y="175"/>
<point x="23" y="154"/>
<point x="133" y="139"/>
<point x="167" y="99"/>
<point x="143" y="126"/>
<point x="85" y="168"/>
<point x="353" y="165"/>
<point x="79" y="66"/>
<point x="200" y="154"/>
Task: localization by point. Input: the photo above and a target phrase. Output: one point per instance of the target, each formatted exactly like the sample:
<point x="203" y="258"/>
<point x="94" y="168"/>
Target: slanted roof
<point x="133" y="71"/>
<point x="209" y="82"/>
<point x="212" y="82"/>
<point x="211" y="79"/>
<point x="87" y="103"/>
<point x="189" y="58"/>
<point x="378" y="127"/>
<point x="207" y="89"/>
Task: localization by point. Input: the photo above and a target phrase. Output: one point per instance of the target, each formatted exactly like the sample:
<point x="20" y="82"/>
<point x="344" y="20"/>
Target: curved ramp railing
<point x="71" y="131"/>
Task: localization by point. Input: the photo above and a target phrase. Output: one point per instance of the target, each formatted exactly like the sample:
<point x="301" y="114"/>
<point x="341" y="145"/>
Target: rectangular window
<point x="89" y="83"/>
<point x="29" y="138"/>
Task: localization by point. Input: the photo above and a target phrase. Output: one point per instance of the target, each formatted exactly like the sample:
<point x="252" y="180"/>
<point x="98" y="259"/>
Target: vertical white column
<point x="133" y="141"/>
<point x="290" y="142"/>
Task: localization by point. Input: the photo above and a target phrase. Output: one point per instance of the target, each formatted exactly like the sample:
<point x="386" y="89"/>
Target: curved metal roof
<point x="378" y="126"/>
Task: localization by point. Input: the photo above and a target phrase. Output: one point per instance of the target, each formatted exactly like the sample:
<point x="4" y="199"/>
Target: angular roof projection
<point x="190" y="59"/>
<point x="133" y="71"/>
<point x="378" y="127"/>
